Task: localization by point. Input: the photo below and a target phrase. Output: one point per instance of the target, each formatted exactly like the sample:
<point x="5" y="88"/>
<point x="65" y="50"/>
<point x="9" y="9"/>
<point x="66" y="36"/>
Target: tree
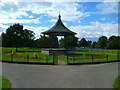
<point x="47" y="42"/>
<point x="114" y="43"/>
<point x="3" y="39"/>
<point x="89" y="43"/>
<point x="28" y="37"/>
<point x="102" y="42"/>
<point x="69" y="42"/>
<point x="112" y="38"/>
<point x="94" y="45"/>
<point x="15" y="36"/>
<point x="83" y="43"/>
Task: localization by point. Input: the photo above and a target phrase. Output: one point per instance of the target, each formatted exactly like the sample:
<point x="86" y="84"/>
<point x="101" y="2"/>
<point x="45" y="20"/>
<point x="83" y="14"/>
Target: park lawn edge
<point x="5" y="82"/>
<point x="116" y="83"/>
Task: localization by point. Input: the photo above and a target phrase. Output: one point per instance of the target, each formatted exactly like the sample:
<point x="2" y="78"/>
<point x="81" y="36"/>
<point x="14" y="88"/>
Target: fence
<point x="53" y="59"/>
<point x="14" y="58"/>
<point x="92" y="59"/>
<point x="99" y="50"/>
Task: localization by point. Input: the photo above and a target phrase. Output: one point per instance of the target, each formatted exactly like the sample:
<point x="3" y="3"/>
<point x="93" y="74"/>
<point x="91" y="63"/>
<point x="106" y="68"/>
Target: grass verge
<point x="5" y="83"/>
<point x="116" y="83"/>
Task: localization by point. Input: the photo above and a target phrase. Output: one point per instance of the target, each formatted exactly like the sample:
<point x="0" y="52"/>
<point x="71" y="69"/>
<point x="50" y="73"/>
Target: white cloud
<point x="66" y="25"/>
<point x="30" y="16"/>
<point x="3" y="28"/>
<point x="3" y="2"/>
<point x="92" y="31"/>
<point x="95" y="30"/>
<point x="103" y="19"/>
<point x="111" y="0"/>
<point x="16" y="15"/>
<point x="107" y="7"/>
<point x="4" y="21"/>
<point x="18" y="10"/>
<point x="36" y="30"/>
<point x="67" y="0"/>
<point x="68" y="10"/>
<point x="79" y="21"/>
<point x="53" y="20"/>
<point x="13" y="12"/>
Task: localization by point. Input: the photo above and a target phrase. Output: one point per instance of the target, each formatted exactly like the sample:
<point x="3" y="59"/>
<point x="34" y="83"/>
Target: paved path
<point x="60" y="62"/>
<point x="49" y="76"/>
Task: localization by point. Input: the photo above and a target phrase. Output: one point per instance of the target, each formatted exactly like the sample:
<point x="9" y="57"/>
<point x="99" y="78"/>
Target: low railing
<point x="15" y="58"/>
<point x="92" y="59"/>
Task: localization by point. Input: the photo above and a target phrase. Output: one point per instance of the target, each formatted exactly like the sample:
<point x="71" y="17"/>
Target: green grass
<point x="99" y="50"/>
<point x="116" y="83"/>
<point x="22" y="56"/>
<point x="10" y="49"/>
<point x="73" y="58"/>
<point x="5" y="83"/>
<point x="81" y="55"/>
<point x="62" y="57"/>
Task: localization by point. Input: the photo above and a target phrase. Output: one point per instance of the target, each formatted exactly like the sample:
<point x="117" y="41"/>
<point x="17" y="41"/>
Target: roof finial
<point x="59" y="12"/>
<point x="59" y="15"/>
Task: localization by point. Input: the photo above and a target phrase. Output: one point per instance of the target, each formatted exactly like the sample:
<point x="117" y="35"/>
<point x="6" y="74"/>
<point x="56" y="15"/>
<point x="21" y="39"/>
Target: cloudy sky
<point x="89" y="20"/>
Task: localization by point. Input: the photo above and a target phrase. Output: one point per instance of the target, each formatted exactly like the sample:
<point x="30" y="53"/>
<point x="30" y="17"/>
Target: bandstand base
<point x="57" y="51"/>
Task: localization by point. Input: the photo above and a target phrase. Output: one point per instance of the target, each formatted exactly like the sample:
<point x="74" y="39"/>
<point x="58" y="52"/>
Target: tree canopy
<point x="16" y="36"/>
<point x="47" y="42"/>
<point x="102" y="42"/>
<point x="83" y="42"/>
<point x="114" y="43"/>
<point x="70" y="42"/>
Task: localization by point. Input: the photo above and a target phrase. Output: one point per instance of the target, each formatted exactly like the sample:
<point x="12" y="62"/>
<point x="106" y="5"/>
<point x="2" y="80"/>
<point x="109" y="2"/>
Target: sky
<point x="89" y="20"/>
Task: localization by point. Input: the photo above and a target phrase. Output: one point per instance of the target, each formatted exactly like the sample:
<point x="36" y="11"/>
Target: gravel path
<point x="53" y="76"/>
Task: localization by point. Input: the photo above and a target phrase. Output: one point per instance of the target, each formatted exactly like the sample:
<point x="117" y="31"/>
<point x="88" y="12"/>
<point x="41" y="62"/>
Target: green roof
<point x="59" y="29"/>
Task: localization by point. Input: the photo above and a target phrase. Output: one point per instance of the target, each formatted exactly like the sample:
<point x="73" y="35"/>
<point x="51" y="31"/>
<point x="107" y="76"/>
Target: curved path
<point x="53" y="76"/>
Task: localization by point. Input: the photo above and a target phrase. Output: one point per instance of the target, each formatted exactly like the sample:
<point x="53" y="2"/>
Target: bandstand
<point x="59" y="29"/>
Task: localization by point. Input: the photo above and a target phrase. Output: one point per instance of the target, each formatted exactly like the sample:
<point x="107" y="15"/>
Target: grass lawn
<point x="116" y="83"/>
<point x="10" y="49"/>
<point x="5" y="83"/>
<point x="87" y="56"/>
<point x="99" y="51"/>
<point x="22" y="56"/>
<point x="80" y="56"/>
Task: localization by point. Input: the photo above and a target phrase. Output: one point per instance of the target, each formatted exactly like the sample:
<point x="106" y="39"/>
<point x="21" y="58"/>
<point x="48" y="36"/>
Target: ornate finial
<point x="59" y="12"/>
<point x="59" y="15"/>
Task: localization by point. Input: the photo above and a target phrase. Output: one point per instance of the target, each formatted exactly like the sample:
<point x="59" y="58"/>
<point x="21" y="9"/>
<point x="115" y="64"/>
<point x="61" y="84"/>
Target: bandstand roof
<point x="59" y="29"/>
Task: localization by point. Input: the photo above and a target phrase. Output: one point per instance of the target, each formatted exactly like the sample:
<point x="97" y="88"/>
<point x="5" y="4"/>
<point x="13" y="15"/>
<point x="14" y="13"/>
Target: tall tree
<point x="15" y="36"/>
<point x="69" y="42"/>
<point x="102" y="42"/>
<point x="114" y="43"/>
<point x="47" y="42"/>
<point x="94" y="44"/>
<point x="112" y="38"/>
<point x="89" y="43"/>
<point x="28" y="37"/>
<point x="4" y="41"/>
<point x="83" y="43"/>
